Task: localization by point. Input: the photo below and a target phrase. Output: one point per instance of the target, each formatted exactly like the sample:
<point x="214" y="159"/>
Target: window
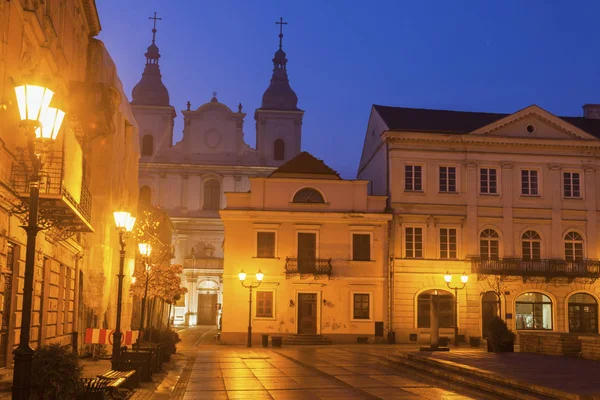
<point x="413" y="181"/>
<point x="583" y="313"/>
<point x="212" y="195"/>
<point x="414" y="242"/>
<point x="361" y="247"/>
<point x="279" y="150"/>
<point x="488" y="181"/>
<point x="488" y="244"/>
<point x="308" y="195"/>
<point x="447" y="243"/>
<point x="147" y="145"/>
<point x="447" y="179"/>
<point x="361" y="306"/>
<point x="265" y="244"/>
<point x="529" y="182"/>
<point x="307" y="252"/>
<point x="445" y="306"/>
<point x="533" y="311"/>
<point x="264" y="304"/>
<point x="572" y="186"/>
<point x="573" y="246"/>
<point x="145" y="194"/>
<point x="531" y="246"/>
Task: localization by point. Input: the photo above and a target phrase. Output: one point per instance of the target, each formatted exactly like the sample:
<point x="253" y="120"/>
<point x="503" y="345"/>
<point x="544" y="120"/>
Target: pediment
<point x="533" y="122"/>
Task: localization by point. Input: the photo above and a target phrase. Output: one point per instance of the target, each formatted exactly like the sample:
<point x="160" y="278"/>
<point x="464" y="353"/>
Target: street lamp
<point x="145" y="251"/>
<point x="464" y="279"/>
<point x="124" y="222"/>
<point x="252" y="285"/>
<point x="41" y="124"/>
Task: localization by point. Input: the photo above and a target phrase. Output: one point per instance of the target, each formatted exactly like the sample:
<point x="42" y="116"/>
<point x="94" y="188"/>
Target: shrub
<point x="168" y="337"/>
<point x="56" y="373"/>
<point x="500" y="338"/>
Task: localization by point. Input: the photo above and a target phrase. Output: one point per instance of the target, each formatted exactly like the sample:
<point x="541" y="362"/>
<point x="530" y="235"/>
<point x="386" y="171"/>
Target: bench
<point x="106" y="386"/>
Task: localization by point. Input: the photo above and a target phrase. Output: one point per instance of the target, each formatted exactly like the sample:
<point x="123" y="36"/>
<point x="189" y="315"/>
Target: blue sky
<point x="344" y="56"/>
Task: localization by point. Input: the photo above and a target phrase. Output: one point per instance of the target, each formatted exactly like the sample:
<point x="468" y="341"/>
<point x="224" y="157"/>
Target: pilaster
<point x="556" y="249"/>
<point x="506" y="190"/>
<point x="591" y="218"/>
<point x="471" y="231"/>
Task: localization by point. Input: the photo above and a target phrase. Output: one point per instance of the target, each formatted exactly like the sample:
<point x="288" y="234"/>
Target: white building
<point x="188" y="179"/>
<point x="508" y="199"/>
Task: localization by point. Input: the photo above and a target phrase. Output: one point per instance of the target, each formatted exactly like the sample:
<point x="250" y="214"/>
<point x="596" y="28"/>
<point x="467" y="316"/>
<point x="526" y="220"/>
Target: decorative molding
<point x="554" y="167"/>
<point x="507" y="165"/>
<point x="432" y="221"/>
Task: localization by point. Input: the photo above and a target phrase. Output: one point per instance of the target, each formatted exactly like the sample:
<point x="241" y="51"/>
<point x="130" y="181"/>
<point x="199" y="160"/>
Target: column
<point x="163" y="190"/>
<point x="193" y="192"/>
<point x="184" y="192"/>
<point x="555" y="247"/>
<point x="590" y="205"/>
<point x="472" y="242"/>
<point x="507" y="196"/>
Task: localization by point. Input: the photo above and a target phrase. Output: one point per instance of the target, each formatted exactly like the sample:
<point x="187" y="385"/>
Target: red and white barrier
<point x="105" y="336"/>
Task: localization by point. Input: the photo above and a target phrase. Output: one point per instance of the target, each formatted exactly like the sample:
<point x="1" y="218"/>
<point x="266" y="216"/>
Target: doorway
<point x="307" y="313"/>
<point x="489" y="309"/>
<point x="207" y="308"/>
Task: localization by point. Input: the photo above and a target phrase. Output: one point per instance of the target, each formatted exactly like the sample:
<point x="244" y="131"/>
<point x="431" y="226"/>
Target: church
<point x="188" y="179"/>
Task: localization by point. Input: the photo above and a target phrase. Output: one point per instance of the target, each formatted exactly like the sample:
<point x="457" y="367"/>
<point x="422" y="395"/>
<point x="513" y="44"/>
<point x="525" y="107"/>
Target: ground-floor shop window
<point x="533" y="311"/>
<point x="445" y="309"/>
<point x="583" y="313"/>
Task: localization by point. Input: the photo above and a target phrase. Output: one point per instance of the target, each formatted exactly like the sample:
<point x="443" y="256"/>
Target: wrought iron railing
<point x="51" y="181"/>
<point x="549" y="268"/>
<point x="307" y="266"/>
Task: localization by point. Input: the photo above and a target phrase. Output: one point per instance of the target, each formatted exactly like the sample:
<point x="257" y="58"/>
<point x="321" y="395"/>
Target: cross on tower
<point x="281" y="24"/>
<point x="154" y="28"/>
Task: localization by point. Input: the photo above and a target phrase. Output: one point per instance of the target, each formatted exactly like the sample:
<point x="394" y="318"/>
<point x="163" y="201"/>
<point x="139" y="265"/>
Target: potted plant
<point x="500" y="339"/>
<point x="56" y="371"/>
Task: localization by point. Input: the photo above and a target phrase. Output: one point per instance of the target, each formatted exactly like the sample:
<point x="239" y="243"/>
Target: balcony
<point x="548" y="269"/>
<point x="317" y="267"/>
<point x="203" y="265"/>
<point x="65" y="201"/>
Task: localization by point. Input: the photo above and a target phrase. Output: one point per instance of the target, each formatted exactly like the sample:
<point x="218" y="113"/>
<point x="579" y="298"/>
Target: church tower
<point x="151" y="106"/>
<point x="278" y="120"/>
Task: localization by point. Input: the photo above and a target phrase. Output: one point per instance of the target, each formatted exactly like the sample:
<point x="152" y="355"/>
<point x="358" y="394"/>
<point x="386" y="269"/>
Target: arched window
<point x="533" y="311"/>
<point x="147" y="145"/>
<point x="489" y="242"/>
<point x="212" y="195"/>
<point x="145" y="195"/>
<point x="279" y="150"/>
<point x="583" y="313"/>
<point x="531" y="246"/>
<point x="445" y="303"/>
<point x="308" y="195"/>
<point x="573" y="246"/>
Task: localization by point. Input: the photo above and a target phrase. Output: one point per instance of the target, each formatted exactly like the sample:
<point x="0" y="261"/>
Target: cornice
<point x="304" y="217"/>
<point x="91" y="14"/>
<point x="537" y="116"/>
<point x="187" y="168"/>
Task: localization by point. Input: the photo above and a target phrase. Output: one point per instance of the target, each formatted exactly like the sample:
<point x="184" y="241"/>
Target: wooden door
<point x="207" y="309"/>
<point x="307" y="313"/>
<point x="307" y="252"/>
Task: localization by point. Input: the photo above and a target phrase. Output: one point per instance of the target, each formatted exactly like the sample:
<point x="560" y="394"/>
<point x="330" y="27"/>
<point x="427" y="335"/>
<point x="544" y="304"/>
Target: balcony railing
<point x="58" y="207"/>
<point x="547" y="268"/>
<point x="316" y="267"/>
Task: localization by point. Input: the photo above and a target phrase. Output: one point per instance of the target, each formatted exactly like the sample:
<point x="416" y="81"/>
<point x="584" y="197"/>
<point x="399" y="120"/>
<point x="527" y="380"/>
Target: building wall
<point x="74" y="280"/>
<point x="508" y="212"/>
<point x="268" y="207"/>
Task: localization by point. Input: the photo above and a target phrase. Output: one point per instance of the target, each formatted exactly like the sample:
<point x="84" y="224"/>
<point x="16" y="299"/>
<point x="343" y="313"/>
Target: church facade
<point x="189" y="179"/>
<point x="510" y="201"/>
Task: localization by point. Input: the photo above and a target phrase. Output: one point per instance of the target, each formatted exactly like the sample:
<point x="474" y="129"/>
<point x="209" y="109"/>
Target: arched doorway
<point x="490" y="305"/>
<point x="583" y="313"/>
<point x="208" y="297"/>
<point x="445" y="308"/>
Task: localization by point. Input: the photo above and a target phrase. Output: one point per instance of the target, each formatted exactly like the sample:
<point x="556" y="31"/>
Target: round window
<point x="530" y="128"/>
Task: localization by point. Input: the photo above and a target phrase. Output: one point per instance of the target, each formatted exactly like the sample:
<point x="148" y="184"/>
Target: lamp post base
<point x="249" y="336"/>
<point x="22" y="373"/>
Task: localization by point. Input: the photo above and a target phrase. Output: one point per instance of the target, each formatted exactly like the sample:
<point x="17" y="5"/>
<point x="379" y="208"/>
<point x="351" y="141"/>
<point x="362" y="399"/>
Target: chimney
<point x="591" y="111"/>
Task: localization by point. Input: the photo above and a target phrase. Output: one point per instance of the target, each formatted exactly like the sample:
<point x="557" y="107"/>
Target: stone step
<point x="306" y="340"/>
<point x="479" y="379"/>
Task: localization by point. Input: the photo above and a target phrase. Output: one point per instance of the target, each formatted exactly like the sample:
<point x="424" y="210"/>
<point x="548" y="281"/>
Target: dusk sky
<point x="344" y="56"/>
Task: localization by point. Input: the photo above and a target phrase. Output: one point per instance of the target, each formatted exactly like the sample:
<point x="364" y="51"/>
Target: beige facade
<point x="508" y="199"/>
<point x="321" y="243"/>
<point x="89" y="172"/>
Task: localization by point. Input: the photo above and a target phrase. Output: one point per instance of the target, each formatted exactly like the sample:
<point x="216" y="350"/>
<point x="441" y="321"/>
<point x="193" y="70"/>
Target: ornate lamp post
<point x="145" y="251"/>
<point x="464" y="279"/>
<point x="124" y="222"/>
<point x="252" y="285"/>
<point x="41" y="124"/>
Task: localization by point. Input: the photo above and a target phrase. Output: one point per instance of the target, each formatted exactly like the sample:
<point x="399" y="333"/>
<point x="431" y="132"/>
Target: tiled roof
<point x="460" y="122"/>
<point x="305" y="164"/>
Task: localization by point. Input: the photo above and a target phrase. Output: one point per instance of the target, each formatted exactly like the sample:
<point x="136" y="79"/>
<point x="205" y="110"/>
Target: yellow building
<point x="89" y="172"/>
<point x="510" y="200"/>
<point x="321" y="243"/>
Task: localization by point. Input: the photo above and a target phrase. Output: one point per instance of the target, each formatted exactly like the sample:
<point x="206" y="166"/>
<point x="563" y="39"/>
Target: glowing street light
<point x="250" y="286"/>
<point x="464" y="278"/>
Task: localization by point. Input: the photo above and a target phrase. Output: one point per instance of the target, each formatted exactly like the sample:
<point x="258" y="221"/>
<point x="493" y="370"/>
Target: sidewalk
<point x="552" y="376"/>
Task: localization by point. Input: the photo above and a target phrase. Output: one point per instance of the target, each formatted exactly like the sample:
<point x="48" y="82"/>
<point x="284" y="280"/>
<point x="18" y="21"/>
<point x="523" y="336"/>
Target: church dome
<point x="280" y="95"/>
